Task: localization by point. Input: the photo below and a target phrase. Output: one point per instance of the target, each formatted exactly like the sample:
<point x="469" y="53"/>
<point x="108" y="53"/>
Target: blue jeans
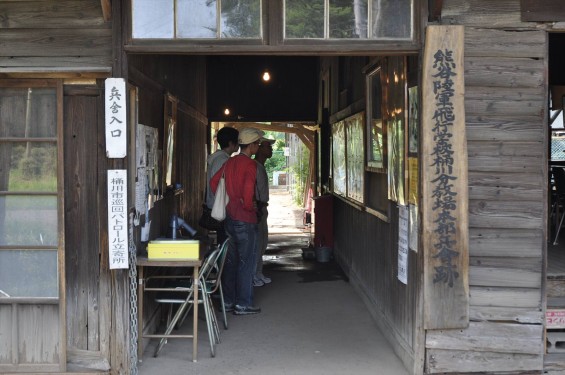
<point x="239" y="268"/>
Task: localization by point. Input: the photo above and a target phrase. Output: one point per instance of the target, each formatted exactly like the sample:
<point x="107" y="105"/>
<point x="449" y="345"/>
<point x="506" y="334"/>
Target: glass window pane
<point x="30" y="113"/>
<point x="196" y="18"/>
<point x="241" y="19"/>
<point x="28" y="220"/>
<point x="28" y="166"/>
<point x="348" y="19"/>
<point x="153" y="19"/>
<point x="391" y="19"/>
<point x="26" y="273"/>
<point x="304" y="18"/>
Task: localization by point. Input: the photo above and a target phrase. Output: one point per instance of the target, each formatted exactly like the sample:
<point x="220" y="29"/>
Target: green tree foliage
<point x="277" y="162"/>
<point x="300" y="170"/>
<point x="304" y="18"/>
<point x="241" y="18"/>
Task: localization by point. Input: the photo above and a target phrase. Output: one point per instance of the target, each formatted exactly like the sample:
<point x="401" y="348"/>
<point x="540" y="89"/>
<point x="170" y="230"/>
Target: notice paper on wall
<point x="118" y="218"/>
<point x="403" y="218"/>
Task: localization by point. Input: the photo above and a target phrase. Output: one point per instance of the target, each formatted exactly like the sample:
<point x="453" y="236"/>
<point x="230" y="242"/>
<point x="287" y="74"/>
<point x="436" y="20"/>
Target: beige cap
<point x="249" y="135"/>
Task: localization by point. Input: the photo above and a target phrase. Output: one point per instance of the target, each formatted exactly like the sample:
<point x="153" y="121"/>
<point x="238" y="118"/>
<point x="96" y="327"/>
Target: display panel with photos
<point x="376" y="134"/>
<point x="396" y="122"/>
<point x="348" y="157"/>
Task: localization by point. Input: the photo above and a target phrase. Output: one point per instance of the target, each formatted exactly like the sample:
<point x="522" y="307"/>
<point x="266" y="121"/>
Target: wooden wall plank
<point x="103" y="62"/>
<point x="505" y="242"/>
<point x="499" y="13"/>
<point x="51" y="14"/>
<point x="489" y="337"/>
<point x="504" y="43"/>
<point x="452" y="361"/>
<point x="6" y="325"/>
<point x="505" y="214"/>
<point x="504" y="72"/>
<point x="499" y="106"/>
<point x="482" y="127"/>
<point x="506" y="314"/>
<point x="501" y="94"/>
<point x="38" y="331"/>
<point x="508" y="186"/>
<point x="57" y="42"/>
<point x="504" y="277"/>
<point x="505" y="297"/>
<point x="542" y="10"/>
<point x="518" y="264"/>
<point x="513" y="164"/>
<point x="497" y="148"/>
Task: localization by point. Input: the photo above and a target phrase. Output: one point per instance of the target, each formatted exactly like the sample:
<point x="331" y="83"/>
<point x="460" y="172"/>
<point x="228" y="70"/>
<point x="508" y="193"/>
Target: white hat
<point x="249" y="135"/>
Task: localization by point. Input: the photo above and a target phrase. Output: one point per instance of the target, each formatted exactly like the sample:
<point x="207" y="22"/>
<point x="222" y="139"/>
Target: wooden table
<point x="143" y="262"/>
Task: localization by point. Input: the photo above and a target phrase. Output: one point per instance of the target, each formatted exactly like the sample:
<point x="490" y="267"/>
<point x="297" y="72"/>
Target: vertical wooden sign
<point x="444" y="181"/>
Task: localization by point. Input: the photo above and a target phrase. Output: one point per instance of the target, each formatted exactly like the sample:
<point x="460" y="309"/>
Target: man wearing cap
<point x="240" y="224"/>
<point x="262" y="194"/>
<point x="227" y="138"/>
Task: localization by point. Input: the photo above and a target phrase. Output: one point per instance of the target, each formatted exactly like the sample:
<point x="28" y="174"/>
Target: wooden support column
<point x="444" y="181"/>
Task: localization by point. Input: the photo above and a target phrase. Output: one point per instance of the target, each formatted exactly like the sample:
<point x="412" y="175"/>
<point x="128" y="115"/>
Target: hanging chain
<point x="133" y="299"/>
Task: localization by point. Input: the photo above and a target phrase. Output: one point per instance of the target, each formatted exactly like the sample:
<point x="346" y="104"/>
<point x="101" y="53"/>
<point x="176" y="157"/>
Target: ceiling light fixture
<point x="266" y="76"/>
<point x="227" y="111"/>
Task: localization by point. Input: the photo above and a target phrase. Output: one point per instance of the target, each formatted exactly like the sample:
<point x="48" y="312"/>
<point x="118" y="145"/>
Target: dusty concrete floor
<point x="312" y="321"/>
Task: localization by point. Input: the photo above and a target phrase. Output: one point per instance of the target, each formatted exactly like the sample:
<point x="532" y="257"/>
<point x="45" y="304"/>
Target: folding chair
<point x="181" y="285"/>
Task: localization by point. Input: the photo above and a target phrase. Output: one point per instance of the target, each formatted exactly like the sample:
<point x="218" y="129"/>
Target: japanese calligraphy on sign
<point x="444" y="180"/>
<point x="117" y="218"/>
<point x="115" y="117"/>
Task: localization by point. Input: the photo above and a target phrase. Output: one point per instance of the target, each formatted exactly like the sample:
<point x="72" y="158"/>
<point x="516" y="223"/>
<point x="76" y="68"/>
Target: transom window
<point x="196" y="19"/>
<point x="326" y="20"/>
<point x="348" y="19"/>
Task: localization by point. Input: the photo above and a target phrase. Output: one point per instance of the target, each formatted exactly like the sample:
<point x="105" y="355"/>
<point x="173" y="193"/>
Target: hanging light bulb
<point x="227" y="111"/>
<point x="266" y="76"/>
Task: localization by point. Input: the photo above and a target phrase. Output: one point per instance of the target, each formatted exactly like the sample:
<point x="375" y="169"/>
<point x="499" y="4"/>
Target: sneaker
<point x="228" y="306"/>
<point x="246" y="310"/>
<point x="265" y="279"/>
<point x="258" y="282"/>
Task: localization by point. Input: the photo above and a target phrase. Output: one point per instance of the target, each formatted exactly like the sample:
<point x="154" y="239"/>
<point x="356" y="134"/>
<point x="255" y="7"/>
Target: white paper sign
<point x="413" y="227"/>
<point x="115" y="119"/>
<point x="118" y="218"/>
<point x="403" y="244"/>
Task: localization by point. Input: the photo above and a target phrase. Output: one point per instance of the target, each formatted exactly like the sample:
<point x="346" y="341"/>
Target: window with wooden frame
<point x="31" y="223"/>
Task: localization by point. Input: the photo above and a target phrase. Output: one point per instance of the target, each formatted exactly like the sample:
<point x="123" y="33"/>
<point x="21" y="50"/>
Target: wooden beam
<point x="434" y="12"/>
<point x="106" y="9"/>
<point x="542" y="10"/>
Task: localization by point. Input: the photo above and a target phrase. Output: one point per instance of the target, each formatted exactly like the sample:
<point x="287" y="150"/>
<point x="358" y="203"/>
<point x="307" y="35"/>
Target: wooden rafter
<point x="306" y="135"/>
<point x="106" y="9"/>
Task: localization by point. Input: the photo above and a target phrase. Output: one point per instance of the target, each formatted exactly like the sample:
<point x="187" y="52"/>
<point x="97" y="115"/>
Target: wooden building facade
<point x="54" y="58"/>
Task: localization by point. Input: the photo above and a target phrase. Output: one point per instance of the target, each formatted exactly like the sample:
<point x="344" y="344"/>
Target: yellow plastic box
<point x="173" y="249"/>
